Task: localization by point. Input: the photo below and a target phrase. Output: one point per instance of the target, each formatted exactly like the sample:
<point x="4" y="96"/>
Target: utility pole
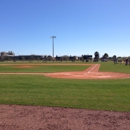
<point x="53" y="46"/>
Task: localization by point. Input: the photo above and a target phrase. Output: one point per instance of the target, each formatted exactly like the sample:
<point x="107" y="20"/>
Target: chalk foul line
<point x="92" y="68"/>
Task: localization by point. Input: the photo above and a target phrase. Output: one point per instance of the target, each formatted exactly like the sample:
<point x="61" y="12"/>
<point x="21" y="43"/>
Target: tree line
<point x="10" y="56"/>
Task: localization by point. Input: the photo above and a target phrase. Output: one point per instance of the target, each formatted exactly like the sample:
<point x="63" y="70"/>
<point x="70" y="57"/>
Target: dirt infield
<point x="24" y="66"/>
<point x="15" y="117"/>
<point x="90" y="73"/>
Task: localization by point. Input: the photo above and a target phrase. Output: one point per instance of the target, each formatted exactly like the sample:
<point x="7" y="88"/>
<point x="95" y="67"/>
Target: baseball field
<point x="98" y="87"/>
<point x="34" y="89"/>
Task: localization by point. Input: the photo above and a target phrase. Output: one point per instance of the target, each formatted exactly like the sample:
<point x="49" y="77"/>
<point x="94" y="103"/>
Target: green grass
<point x="89" y="94"/>
<point x="40" y="68"/>
<point x="43" y="91"/>
<point x="111" y="67"/>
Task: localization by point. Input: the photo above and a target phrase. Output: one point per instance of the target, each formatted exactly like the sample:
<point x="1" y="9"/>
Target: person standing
<point x="115" y="60"/>
<point x="126" y="61"/>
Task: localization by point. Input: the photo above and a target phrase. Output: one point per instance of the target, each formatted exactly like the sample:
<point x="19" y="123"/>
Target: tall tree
<point x="96" y="58"/>
<point x="105" y="56"/>
<point x="114" y="57"/>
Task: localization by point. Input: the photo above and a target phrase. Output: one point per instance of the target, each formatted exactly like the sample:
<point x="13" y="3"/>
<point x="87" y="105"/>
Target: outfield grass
<point x="41" y="68"/>
<point x="111" y="67"/>
<point x="89" y="94"/>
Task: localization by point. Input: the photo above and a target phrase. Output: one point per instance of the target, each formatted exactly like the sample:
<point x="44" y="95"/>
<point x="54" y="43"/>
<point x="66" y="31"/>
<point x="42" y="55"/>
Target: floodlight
<point x="53" y="45"/>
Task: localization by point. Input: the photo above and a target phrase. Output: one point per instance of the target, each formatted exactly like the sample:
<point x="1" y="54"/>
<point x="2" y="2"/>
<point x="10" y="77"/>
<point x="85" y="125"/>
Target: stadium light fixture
<point x="53" y="45"/>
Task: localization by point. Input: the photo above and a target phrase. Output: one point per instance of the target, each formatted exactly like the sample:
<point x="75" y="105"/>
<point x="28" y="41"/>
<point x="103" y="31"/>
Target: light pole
<point x="53" y="46"/>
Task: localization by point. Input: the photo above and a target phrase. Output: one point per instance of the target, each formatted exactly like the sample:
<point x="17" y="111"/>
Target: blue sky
<point x="81" y="27"/>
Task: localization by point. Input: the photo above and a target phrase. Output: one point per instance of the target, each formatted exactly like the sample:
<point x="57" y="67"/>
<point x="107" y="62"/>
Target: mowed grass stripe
<point x="42" y="68"/>
<point x="42" y="91"/>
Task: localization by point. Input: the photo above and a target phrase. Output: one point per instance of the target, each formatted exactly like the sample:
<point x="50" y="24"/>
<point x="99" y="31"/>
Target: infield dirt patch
<point x="24" y="66"/>
<point x="15" y="117"/>
<point x="90" y="73"/>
